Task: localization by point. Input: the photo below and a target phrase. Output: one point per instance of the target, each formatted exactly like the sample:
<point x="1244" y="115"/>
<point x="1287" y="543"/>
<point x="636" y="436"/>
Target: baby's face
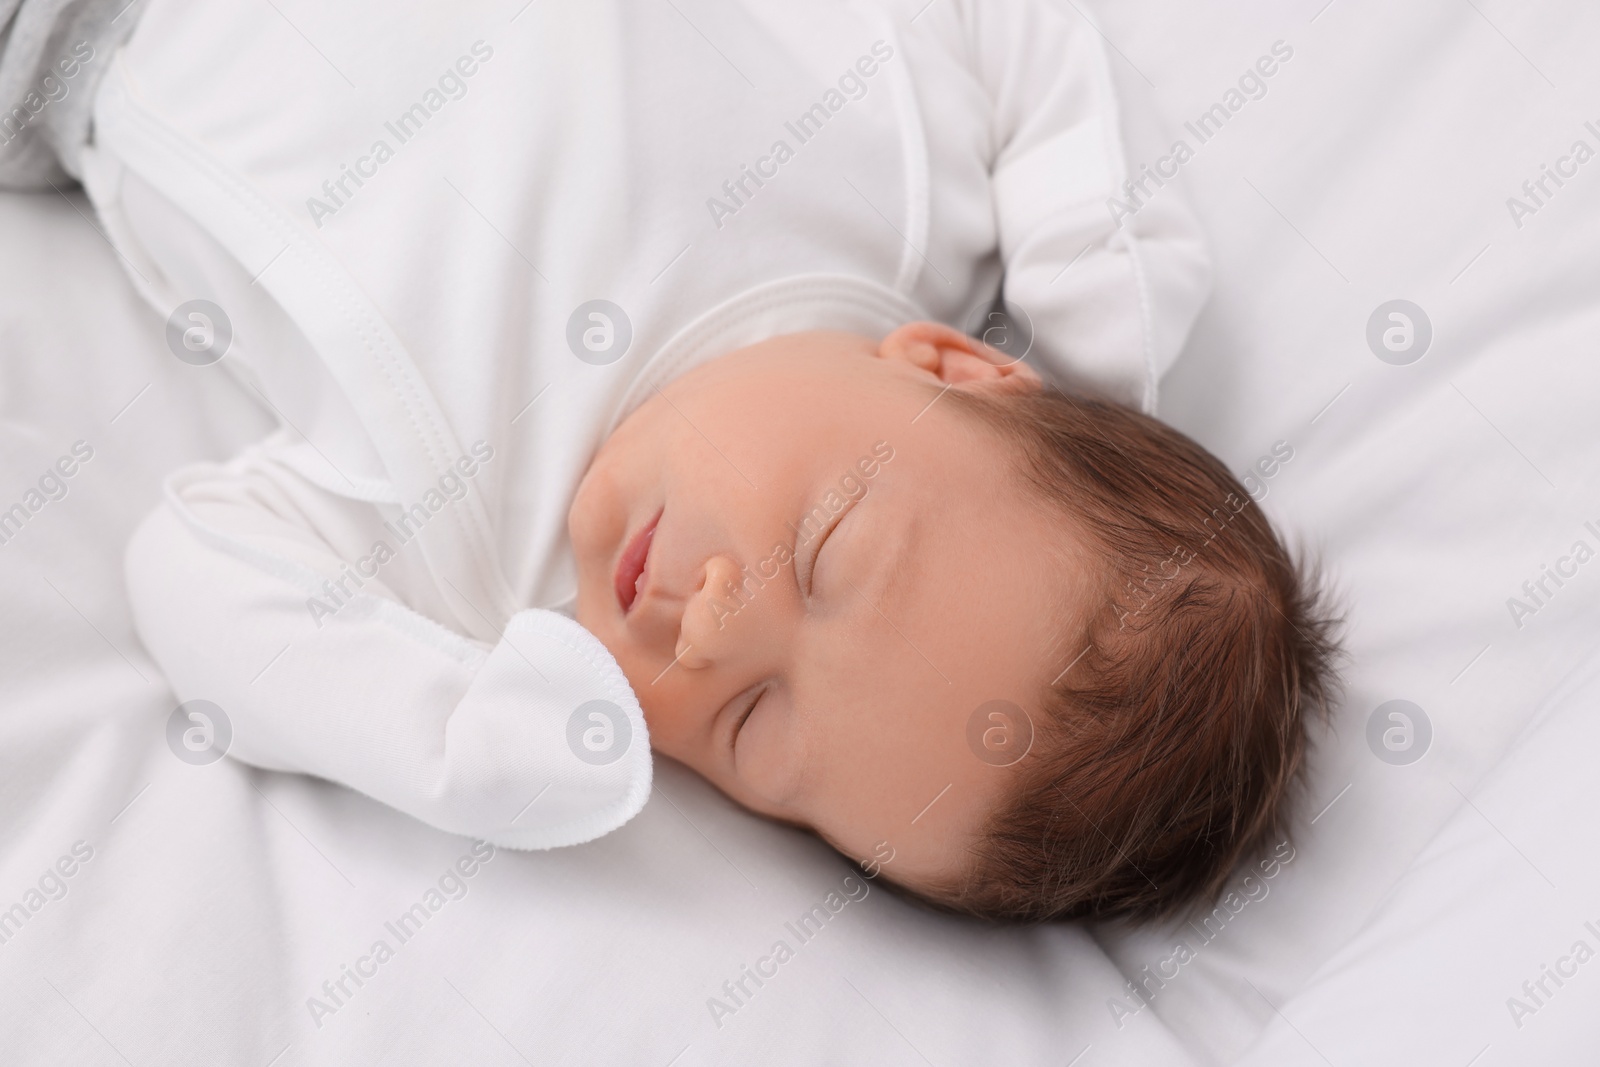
<point x="837" y="570"/>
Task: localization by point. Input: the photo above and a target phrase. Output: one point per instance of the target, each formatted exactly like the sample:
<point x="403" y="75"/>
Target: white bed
<point x="216" y="900"/>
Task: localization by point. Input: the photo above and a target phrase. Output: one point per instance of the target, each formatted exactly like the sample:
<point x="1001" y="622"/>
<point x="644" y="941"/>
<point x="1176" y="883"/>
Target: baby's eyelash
<point x="816" y="553"/>
<point x="745" y="716"/>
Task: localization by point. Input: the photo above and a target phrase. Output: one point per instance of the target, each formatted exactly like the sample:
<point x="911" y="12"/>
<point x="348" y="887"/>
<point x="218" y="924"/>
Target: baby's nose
<point x="712" y="618"/>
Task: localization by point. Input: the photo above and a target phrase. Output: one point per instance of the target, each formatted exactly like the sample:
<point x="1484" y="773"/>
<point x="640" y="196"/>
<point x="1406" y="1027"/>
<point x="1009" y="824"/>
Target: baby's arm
<point x="468" y="738"/>
<point x="1111" y="288"/>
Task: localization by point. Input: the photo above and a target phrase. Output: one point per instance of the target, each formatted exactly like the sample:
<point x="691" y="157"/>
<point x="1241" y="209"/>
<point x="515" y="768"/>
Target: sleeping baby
<point x="1057" y="620"/>
<point x="801" y="435"/>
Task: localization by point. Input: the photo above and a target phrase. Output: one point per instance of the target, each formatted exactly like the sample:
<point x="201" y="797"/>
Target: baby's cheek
<point x="679" y="725"/>
<point x="774" y="761"/>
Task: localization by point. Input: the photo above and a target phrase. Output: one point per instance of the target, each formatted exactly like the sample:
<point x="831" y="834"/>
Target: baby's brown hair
<point x="1170" y="748"/>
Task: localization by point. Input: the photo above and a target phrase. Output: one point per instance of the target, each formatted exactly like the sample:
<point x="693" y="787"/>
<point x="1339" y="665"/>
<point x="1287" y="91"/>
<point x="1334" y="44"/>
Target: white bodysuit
<point x="454" y="245"/>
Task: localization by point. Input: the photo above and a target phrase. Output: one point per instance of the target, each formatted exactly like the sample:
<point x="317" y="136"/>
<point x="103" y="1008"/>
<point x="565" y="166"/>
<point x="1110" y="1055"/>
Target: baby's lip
<point x="629" y="578"/>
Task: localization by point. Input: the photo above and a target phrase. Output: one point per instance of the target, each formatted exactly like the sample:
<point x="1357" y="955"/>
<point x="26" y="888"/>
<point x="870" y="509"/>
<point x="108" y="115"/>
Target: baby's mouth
<point x="631" y="567"/>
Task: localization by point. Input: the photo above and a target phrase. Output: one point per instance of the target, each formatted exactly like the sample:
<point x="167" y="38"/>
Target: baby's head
<point x="1032" y="656"/>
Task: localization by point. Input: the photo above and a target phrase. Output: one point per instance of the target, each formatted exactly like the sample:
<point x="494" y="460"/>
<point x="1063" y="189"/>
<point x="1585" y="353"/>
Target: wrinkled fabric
<point x="53" y="54"/>
<point x="409" y="229"/>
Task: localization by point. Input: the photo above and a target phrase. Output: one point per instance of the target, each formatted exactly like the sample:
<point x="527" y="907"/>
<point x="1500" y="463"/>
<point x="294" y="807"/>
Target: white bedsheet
<point x="217" y="900"/>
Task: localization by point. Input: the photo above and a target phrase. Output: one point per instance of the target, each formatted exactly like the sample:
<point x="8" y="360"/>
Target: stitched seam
<point x="386" y="360"/>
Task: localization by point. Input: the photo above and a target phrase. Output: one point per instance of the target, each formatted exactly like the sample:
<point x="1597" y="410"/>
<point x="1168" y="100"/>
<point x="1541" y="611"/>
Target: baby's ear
<point x="958" y="360"/>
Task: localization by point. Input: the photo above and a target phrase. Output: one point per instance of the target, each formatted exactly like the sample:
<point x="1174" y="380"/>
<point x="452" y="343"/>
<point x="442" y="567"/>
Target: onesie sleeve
<point x="1102" y="256"/>
<point x="241" y="597"/>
